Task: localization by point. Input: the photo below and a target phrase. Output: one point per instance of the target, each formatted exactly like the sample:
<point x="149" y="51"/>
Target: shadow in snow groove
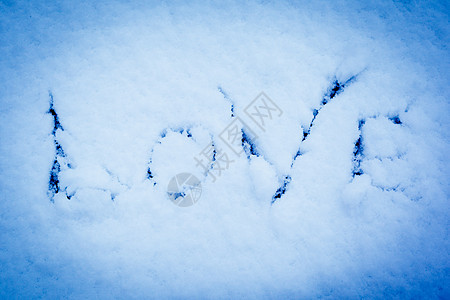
<point x="59" y="159"/>
<point x="227" y="97"/>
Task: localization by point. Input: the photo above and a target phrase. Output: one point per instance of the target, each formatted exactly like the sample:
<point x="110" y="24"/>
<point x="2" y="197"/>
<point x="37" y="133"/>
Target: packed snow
<point x="319" y="132"/>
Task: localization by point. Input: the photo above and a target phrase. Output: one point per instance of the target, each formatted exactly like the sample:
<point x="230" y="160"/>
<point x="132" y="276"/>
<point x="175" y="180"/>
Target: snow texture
<point x="342" y="194"/>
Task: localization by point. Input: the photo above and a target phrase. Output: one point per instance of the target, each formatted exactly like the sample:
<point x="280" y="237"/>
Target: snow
<point x="344" y="193"/>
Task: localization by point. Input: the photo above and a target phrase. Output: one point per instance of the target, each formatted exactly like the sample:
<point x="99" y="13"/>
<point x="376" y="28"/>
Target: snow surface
<point x="346" y="194"/>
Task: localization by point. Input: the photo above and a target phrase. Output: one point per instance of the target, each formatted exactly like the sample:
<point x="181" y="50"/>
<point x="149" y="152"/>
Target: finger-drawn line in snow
<point x="248" y="136"/>
<point x="234" y="134"/>
<point x="247" y="143"/>
<point x="61" y="162"/>
<point x="150" y="174"/>
<point x="334" y="90"/>
<point x="228" y="98"/>
<point x="282" y="189"/>
<point x="238" y="136"/>
<point x="60" y="159"/>
<point x="358" y="151"/>
<point x="215" y="160"/>
<point x="358" y="157"/>
<point x="211" y="155"/>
